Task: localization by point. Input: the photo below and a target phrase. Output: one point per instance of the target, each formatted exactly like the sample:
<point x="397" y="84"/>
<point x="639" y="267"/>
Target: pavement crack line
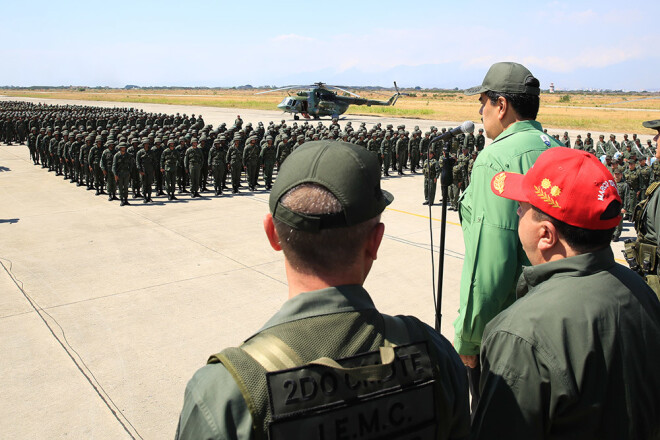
<point x="77" y="359"/>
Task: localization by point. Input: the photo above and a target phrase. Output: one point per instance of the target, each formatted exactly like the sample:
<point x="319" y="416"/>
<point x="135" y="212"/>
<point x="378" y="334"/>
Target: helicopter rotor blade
<point x="350" y="93"/>
<point x="283" y="88"/>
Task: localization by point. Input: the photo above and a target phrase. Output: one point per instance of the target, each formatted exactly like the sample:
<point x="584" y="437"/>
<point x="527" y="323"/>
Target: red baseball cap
<point x="569" y="185"/>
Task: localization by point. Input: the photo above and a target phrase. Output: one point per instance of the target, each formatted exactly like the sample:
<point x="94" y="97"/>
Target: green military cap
<point x="648" y="141"/>
<point x="171" y="141"/>
<point x="122" y="145"/>
<point x="301" y="137"/>
<point x="579" y="136"/>
<point x="351" y="173"/>
<point x="269" y="138"/>
<point x="158" y="140"/>
<point x="89" y="138"/>
<point x="221" y="137"/>
<point x="506" y="77"/>
<point x="110" y="142"/>
<point x="632" y="160"/>
<point x="217" y="141"/>
<point x="608" y="156"/>
<point x="193" y="140"/>
<point x="654" y="124"/>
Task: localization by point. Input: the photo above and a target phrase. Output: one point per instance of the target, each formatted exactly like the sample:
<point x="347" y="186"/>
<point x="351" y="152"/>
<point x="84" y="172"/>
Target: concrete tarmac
<point x="107" y="311"/>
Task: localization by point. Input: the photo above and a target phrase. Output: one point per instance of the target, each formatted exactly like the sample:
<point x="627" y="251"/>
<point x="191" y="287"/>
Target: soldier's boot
<point x="98" y="192"/>
<point x="145" y="200"/>
<point x="123" y="202"/>
<point x="109" y="198"/>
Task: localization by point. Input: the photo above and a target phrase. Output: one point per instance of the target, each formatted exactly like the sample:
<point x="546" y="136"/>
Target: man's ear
<point x="375" y="238"/>
<point x="503" y="105"/>
<point x="271" y="232"/>
<point x="548" y="236"/>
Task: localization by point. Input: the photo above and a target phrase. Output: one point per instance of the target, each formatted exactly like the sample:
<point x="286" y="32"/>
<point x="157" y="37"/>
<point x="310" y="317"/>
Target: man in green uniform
<point x="386" y="152"/>
<point x="122" y="164"/>
<point x="644" y="175"/>
<point x="601" y="146"/>
<point x="509" y="97"/>
<point x="480" y="140"/>
<point x="94" y="160"/>
<point x="251" y="162"/>
<point x="106" y="168"/>
<point x="624" y="192"/>
<point x="235" y="161"/>
<point x="135" y="175"/>
<point x="230" y="397"/>
<point x="633" y="179"/>
<point x="158" y="175"/>
<point x="431" y="171"/>
<point x="181" y="174"/>
<point x="193" y="164"/>
<point x="86" y="177"/>
<point x="589" y="144"/>
<point x="268" y="157"/>
<point x="168" y="166"/>
<point x="146" y="163"/>
<point x="576" y="355"/>
<point x="217" y="165"/>
<point x="458" y="175"/>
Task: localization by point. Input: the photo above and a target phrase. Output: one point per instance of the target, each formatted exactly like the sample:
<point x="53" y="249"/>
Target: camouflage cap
<point x="122" y="145"/>
<point x="506" y="77"/>
<point x="654" y="124"/>
<point x="351" y="173"/>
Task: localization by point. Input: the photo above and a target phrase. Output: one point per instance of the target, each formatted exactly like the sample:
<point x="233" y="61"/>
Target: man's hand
<point x="469" y="360"/>
<point x="116" y="178"/>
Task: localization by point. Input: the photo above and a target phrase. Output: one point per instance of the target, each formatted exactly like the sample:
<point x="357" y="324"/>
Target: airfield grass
<point x="578" y="111"/>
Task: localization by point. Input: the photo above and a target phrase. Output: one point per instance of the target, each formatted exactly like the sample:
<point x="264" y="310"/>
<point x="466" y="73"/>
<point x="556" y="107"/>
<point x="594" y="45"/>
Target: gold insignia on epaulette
<point x="498" y="182"/>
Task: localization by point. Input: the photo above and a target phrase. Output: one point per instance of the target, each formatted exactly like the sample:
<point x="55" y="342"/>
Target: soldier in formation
<point x="70" y="141"/>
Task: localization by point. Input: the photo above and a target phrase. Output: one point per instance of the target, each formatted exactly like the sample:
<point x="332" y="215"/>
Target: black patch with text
<point x="320" y="402"/>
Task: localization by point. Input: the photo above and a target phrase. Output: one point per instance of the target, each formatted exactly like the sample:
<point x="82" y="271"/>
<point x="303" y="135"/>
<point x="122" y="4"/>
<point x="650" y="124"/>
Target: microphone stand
<point x="446" y="179"/>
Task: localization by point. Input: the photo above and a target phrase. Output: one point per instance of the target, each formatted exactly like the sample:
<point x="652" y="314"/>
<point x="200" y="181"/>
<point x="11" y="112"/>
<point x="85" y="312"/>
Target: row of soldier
<point x="170" y="152"/>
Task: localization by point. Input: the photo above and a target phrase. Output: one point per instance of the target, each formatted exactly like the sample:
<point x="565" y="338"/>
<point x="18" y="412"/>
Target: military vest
<point x="642" y="256"/>
<point x="380" y="385"/>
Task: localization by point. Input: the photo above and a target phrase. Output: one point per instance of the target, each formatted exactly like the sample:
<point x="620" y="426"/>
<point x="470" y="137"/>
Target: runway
<point x="107" y="311"/>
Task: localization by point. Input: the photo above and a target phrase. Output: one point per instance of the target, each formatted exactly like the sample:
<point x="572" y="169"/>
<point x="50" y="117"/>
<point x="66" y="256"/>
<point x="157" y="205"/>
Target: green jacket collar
<point x="578" y="266"/>
<point x="340" y="299"/>
<point x="517" y="127"/>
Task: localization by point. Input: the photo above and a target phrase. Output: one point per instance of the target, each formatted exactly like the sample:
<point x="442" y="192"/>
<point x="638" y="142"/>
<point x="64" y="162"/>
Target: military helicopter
<point x="319" y="100"/>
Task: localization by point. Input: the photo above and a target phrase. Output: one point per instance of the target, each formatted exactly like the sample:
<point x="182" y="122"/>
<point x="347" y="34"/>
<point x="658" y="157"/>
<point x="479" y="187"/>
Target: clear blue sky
<point x="575" y="44"/>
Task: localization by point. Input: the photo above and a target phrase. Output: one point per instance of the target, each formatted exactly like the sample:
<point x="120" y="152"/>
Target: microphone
<point x="465" y="127"/>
